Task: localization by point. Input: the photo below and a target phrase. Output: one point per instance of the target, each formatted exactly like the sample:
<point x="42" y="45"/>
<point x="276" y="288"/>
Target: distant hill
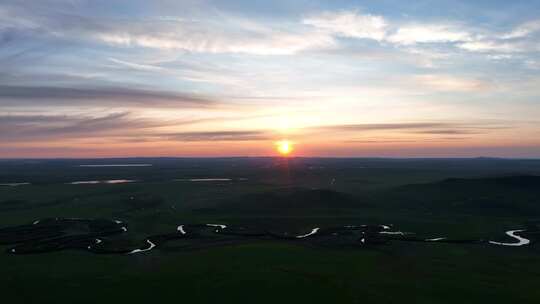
<point x="291" y="200"/>
<point x="523" y="181"/>
<point x="502" y="196"/>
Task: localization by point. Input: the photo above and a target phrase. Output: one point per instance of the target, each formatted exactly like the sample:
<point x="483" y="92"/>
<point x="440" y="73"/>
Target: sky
<point x="232" y="78"/>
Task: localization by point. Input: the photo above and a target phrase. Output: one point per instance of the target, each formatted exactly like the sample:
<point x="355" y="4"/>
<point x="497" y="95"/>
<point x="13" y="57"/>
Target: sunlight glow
<point x="284" y="147"/>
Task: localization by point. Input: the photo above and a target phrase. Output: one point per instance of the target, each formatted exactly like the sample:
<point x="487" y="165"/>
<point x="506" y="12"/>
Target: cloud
<point x="110" y="96"/>
<point x="523" y="30"/>
<point x="120" y="126"/>
<point x="400" y="141"/>
<point x="532" y="64"/>
<point x="267" y="42"/>
<point x="218" y="33"/>
<point x="518" y="40"/>
<point x="10" y="21"/>
<point x="428" y="33"/>
<point x="450" y="132"/>
<point x="50" y="127"/>
<point x="366" y="26"/>
<point x="485" y="46"/>
<point x="442" y="128"/>
<point x="384" y="126"/>
<point x="43" y="151"/>
<point x="380" y="141"/>
<point x="126" y="127"/>
<point x="212" y="32"/>
<point x="349" y="24"/>
<point x="136" y="66"/>
<point x="218" y="136"/>
<point x="448" y="83"/>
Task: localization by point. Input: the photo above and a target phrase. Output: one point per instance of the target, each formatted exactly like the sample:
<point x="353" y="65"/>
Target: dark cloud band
<point x="110" y="96"/>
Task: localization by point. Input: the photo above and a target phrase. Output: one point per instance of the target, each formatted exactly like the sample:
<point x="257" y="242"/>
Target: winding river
<point x="512" y="233"/>
<point x="46" y="235"/>
<point x="150" y="247"/>
<point x="313" y="231"/>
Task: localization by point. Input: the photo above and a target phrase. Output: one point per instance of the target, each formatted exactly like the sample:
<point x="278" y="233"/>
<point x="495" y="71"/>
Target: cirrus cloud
<point x="349" y="24"/>
<point x="450" y="83"/>
<point x="61" y="96"/>
<point x="428" y="33"/>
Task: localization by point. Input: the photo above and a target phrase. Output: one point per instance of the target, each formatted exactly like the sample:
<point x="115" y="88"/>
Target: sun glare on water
<point x="284" y="147"/>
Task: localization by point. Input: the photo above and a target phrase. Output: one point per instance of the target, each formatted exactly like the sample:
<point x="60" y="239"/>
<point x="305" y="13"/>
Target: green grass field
<point x="413" y="195"/>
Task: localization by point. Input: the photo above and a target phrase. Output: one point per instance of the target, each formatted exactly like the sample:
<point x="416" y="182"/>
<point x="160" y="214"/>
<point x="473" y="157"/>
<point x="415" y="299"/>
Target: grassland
<point x="422" y="196"/>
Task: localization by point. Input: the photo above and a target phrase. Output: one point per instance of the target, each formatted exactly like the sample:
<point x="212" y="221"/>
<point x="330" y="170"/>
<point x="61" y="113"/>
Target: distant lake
<point x="213" y="179"/>
<point x="204" y="180"/>
<point x="117" y="165"/>
<point x="109" y="181"/>
<point x="14" y="184"/>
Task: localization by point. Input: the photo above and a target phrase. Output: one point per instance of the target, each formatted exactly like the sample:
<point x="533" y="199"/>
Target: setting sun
<point x="284" y="147"/>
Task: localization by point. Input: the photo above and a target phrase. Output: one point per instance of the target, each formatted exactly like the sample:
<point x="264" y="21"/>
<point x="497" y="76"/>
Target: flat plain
<point x="451" y="213"/>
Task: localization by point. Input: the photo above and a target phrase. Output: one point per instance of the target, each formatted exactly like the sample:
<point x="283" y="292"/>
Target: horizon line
<point x="270" y="156"/>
